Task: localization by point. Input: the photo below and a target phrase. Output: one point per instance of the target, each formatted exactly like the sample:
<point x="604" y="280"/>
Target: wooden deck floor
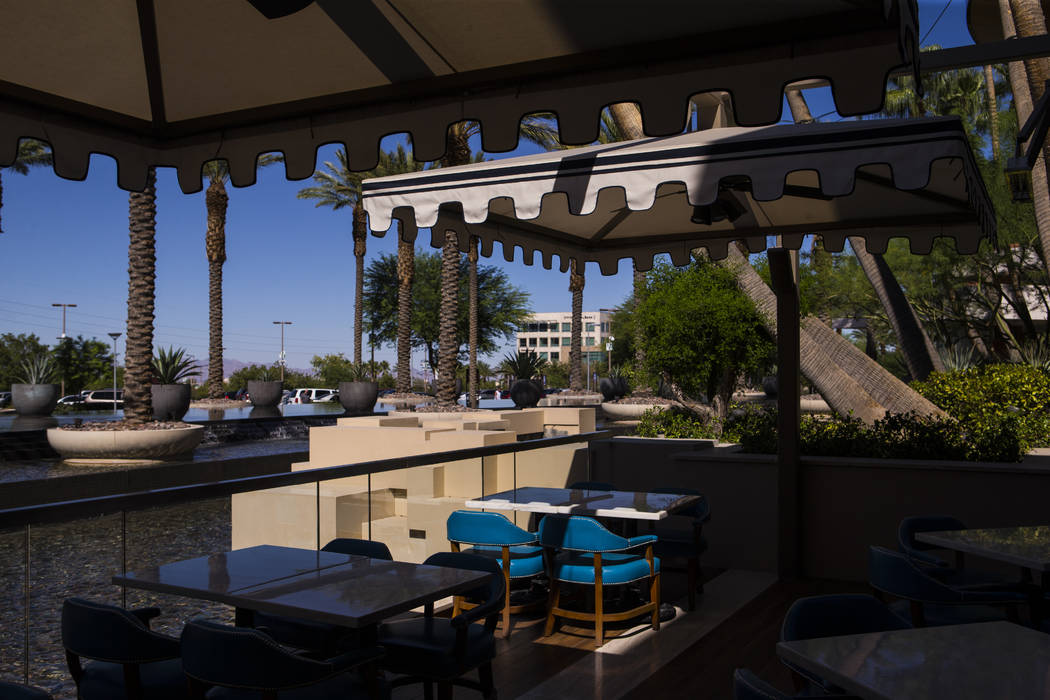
<point x="703" y="669"/>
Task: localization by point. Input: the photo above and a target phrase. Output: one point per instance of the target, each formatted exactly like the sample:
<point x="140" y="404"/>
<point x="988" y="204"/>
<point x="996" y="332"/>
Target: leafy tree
<point x="556" y="374"/>
<point x="13" y="350"/>
<point x="292" y="379"/>
<point x="502" y="307"/>
<point x="701" y="332"/>
<point x="334" y="368"/>
<point x="82" y="362"/>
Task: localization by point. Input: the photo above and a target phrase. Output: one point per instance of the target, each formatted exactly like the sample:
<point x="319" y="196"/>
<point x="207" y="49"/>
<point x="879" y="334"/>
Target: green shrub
<point x="897" y="436"/>
<point x="674" y="423"/>
<point x="999" y="401"/>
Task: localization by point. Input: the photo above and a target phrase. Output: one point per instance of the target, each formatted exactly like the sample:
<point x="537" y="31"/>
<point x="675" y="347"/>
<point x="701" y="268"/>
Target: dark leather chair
<point x="688" y="548"/>
<point x="323" y="638"/>
<point x="832" y="616"/>
<point x="433" y="650"/>
<point x="493" y="536"/>
<point x="748" y="686"/>
<point x="581" y="551"/>
<point x="15" y="691"/>
<point x="930" y="602"/>
<point x="238" y="663"/>
<point x="952" y="573"/>
<point x="125" y="659"/>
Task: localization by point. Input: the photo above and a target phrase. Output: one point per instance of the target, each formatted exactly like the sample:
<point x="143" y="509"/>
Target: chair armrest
<point x="355" y="658"/>
<point x="467" y="618"/>
<point x="640" y="541"/>
<point x="145" y="614"/>
<point x="921" y="557"/>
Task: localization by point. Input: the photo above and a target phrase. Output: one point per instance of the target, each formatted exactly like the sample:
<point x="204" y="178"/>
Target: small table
<point x="1027" y="547"/>
<point x="630" y="505"/>
<point x="352" y="591"/>
<point x="957" y="662"/>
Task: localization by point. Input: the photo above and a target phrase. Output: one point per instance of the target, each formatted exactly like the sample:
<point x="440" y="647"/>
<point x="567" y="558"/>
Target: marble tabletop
<point x="957" y="662"/>
<point x="610" y="504"/>
<point x="325" y="586"/>
<point x="1027" y="546"/>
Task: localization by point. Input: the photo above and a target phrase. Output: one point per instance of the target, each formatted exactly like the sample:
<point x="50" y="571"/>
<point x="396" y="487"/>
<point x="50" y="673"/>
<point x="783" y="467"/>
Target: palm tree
<point x="472" y="334"/>
<point x="448" y="348"/>
<point x="536" y="129"/>
<point x="338" y="187"/>
<point x="142" y="266"/>
<point x="406" y="266"/>
<point x="215" y="200"/>
<point x="31" y="154"/>
<point x="576" y="284"/>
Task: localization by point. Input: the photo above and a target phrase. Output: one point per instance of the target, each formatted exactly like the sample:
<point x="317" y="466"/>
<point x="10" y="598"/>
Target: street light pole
<point x="63" y="337"/>
<point x="114" y="336"/>
<point x="282" y="324"/>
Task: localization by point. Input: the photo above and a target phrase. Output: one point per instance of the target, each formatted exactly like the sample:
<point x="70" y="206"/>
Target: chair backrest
<point x="910" y="526"/>
<point x="243" y="657"/>
<point x="489" y="595"/>
<point x="104" y="632"/>
<point x="592" y="486"/>
<point x="362" y="548"/>
<point x="700" y="511"/>
<point x="475" y="527"/>
<point x="748" y="686"/>
<point x="834" y="615"/>
<point x="578" y="533"/>
<point x="892" y="572"/>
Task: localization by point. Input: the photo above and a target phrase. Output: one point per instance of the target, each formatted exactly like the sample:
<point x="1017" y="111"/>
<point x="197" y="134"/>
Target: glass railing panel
<point x="284" y="516"/>
<point x="74" y="558"/>
<point x="12" y="604"/>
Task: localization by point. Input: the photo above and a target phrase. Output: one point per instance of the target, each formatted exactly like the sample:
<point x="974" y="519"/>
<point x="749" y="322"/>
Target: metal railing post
<point x="25" y="619"/>
<point x="318" y="497"/>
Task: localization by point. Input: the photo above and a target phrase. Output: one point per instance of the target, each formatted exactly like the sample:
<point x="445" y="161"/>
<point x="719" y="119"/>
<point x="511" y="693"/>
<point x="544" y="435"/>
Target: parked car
<point x="5" y="398"/>
<point x="386" y="392"/>
<point x="239" y="395"/>
<point x="72" y="400"/>
<point x="313" y="396"/>
<point x="103" y="397"/>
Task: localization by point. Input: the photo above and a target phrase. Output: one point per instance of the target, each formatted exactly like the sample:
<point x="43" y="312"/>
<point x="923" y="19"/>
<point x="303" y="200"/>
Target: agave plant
<point x="38" y="369"/>
<point x="173" y="365"/>
<point x="957" y="357"/>
<point x="357" y="372"/>
<point x="522" y="365"/>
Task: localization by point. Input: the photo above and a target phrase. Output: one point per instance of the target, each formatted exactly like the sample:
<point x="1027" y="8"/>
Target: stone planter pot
<point x="525" y="393"/>
<point x="264" y="393"/>
<point x="628" y="411"/>
<point x="170" y="401"/>
<point x="34" y="399"/>
<point x="120" y="446"/>
<point x="358" y="398"/>
<point x="265" y="412"/>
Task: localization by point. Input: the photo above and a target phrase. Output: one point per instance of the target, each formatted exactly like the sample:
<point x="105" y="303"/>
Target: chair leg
<point x="456" y="600"/>
<point x="488" y="684"/>
<point x="694" y="565"/>
<point x="444" y="690"/>
<point x="506" y="600"/>
<point x="599" y="622"/>
<point x="654" y="597"/>
<point x="552" y="604"/>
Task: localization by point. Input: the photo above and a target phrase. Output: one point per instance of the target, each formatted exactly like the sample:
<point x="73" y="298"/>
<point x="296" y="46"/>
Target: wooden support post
<point x="789" y="411"/>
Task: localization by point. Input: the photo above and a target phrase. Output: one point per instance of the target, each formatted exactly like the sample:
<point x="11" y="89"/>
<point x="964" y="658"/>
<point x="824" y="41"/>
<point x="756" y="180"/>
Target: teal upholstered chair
<point x="493" y="536"/>
<point x="580" y="551"/>
<point x="931" y="602"/>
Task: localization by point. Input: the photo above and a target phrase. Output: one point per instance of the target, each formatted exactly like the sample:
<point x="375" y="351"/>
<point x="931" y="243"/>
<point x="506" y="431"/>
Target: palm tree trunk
<point x="406" y="265"/>
<point x="993" y="109"/>
<point x="360" y="233"/>
<point x="472" y="363"/>
<point x="142" y="275"/>
<point x="920" y="355"/>
<point x="448" y="348"/>
<point x="1028" y="20"/>
<point x="576" y="284"/>
<point x="215" y="200"/>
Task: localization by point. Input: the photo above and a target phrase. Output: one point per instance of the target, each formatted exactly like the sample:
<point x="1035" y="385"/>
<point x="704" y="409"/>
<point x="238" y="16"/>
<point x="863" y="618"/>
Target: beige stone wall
<point x="409" y="507"/>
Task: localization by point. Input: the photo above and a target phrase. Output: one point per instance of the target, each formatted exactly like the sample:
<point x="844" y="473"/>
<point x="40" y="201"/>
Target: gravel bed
<point x="125" y="425"/>
<point x="643" y="401"/>
<point x="79" y="558"/>
<point x="446" y="408"/>
<point x="218" y="403"/>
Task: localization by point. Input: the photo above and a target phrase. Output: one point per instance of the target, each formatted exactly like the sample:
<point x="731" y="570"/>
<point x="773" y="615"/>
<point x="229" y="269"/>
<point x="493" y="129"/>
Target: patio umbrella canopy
<point x="181" y="82"/>
<point x="874" y="179"/>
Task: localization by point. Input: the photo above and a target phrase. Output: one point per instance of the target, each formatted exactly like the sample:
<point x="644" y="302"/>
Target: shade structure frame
<point x="585" y="204"/>
<point x="751" y="63"/>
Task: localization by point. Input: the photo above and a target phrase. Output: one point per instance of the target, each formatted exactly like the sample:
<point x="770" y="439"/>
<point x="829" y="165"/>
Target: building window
<point x="566" y="342"/>
<point x="555" y="356"/>
<point x="543" y="342"/>
<point x="566" y="327"/>
<point x="589" y="327"/>
<point x="532" y="342"/>
<point x="543" y="356"/>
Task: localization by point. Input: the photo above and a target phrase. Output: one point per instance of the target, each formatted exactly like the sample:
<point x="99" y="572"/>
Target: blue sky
<point x="66" y="242"/>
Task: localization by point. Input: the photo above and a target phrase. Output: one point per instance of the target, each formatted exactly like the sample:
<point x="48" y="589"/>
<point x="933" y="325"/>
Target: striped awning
<point x="180" y="82"/>
<point x="877" y="179"/>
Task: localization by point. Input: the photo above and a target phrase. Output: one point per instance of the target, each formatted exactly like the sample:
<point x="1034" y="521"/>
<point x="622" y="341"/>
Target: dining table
<point x="348" y="590"/>
<point x="1026" y="546"/>
<point x="953" y="662"/>
<point x="629" y="505"/>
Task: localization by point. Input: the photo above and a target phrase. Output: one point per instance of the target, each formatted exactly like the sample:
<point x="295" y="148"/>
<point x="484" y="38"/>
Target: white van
<point x="313" y="395"/>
